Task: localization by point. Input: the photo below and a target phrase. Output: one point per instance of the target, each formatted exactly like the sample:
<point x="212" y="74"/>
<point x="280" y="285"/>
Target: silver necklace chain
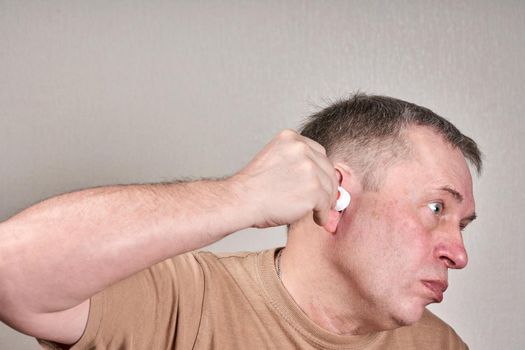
<point x="278" y="263"/>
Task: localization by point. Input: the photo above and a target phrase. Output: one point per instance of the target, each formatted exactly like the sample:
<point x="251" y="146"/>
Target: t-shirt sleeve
<point x="157" y="308"/>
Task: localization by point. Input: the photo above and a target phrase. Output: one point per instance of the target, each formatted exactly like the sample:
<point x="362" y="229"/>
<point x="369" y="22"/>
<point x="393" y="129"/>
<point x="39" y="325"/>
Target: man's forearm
<point x="60" y="252"/>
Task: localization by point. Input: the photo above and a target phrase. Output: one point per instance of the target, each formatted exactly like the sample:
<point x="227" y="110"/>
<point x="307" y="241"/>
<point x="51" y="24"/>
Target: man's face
<point x="397" y="243"/>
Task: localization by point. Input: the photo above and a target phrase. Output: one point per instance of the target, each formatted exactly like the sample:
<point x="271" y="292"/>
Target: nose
<point x="451" y="250"/>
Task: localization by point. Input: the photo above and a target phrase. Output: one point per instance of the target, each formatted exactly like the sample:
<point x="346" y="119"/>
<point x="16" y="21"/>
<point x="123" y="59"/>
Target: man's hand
<point x="288" y="179"/>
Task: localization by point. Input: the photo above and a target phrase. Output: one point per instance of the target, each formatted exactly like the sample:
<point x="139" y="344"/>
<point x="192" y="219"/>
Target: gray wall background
<point x="106" y="92"/>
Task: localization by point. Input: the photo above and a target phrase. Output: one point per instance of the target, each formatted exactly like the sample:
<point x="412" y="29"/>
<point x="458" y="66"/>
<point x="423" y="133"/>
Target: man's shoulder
<point x="431" y="331"/>
<point x="227" y="259"/>
<point x="208" y="255"/>
<point x="203" y="257"/>
<point x="216" y="264"/>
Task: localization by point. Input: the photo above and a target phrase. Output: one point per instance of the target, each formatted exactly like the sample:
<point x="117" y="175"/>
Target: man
<point x="108" y="268"/>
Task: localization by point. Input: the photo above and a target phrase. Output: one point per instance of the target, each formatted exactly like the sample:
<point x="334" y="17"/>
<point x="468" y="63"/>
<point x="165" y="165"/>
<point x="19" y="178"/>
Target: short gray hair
<point x="367" y="131"/>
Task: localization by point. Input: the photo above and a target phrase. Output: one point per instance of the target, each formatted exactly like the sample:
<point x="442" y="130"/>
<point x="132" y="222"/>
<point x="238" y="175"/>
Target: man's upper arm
<point x="139" y="312"/>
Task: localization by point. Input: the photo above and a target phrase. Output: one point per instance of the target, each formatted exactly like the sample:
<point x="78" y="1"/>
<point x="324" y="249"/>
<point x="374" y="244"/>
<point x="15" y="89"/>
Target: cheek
<point x="387" y="241"/>
<point x="400" y="240"/>
<point x="378" y="239"/>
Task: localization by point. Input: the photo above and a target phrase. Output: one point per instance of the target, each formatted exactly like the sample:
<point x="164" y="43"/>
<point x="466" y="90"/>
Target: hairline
<point x="373" y="175"/>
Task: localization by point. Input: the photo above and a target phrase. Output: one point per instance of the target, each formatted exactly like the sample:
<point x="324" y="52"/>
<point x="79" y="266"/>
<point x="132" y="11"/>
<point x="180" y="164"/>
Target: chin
<point x="407" y="315"/>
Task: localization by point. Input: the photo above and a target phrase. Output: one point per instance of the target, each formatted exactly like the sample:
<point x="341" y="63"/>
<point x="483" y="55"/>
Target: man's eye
<point x="436" y="207"/>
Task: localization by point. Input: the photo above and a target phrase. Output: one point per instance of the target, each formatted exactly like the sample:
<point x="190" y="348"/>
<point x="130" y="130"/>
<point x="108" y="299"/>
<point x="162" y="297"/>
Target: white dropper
<point x="343" y="199"/>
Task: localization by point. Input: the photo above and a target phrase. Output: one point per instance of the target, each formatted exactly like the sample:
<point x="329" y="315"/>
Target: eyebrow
<point x="457" y="196"/>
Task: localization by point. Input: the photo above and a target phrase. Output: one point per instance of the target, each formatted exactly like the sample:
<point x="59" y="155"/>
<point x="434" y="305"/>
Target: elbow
<point x="13" y="310"/>
<point x="10" y="294"/>
<point x="7" y="290"/>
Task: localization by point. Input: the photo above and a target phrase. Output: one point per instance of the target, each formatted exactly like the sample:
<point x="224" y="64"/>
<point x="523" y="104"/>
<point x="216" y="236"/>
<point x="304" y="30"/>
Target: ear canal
<point x="343" y="199"/>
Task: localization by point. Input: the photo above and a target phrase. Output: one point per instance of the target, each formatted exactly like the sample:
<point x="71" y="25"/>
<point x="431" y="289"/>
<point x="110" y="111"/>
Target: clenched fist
<point x="290" y="177"/>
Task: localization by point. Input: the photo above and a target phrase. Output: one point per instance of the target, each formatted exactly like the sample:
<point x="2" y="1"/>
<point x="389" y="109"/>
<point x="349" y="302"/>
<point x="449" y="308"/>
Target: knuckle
<point x="287" y="134"/>
<point x="321" y="148"/>
<point x="299" y="149"/>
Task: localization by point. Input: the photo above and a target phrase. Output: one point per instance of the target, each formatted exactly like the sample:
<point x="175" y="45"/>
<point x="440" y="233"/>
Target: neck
<point x="318" y="288"/>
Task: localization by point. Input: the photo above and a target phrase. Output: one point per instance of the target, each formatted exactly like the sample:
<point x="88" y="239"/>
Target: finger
<point x="322" y="211"/>
<point x="330" y="188"/>
<point x="327" y="175"/>
<point x="325" y="162"/>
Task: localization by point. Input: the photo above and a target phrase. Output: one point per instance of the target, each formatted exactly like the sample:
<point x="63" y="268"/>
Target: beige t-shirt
<point x="203" y="301"/>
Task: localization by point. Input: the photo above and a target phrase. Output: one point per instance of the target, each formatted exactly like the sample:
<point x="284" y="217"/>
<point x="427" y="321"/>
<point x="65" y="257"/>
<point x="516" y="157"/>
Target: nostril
<point x="448" y="262"/>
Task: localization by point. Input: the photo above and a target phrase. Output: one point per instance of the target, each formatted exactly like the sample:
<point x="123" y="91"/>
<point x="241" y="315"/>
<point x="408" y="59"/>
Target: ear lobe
<point x="333" y="220"/>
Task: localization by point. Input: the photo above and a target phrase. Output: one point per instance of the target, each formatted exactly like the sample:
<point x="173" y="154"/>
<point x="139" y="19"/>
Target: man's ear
<point x="333" y="220"/>
<point x="344" y="177"/>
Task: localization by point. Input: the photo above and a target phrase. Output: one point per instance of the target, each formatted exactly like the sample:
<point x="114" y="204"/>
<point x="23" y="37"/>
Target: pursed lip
<point x="437" y="287"/>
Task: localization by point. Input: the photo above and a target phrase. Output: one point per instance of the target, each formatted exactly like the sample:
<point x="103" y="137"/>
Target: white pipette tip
<point x="343" y="199"/>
